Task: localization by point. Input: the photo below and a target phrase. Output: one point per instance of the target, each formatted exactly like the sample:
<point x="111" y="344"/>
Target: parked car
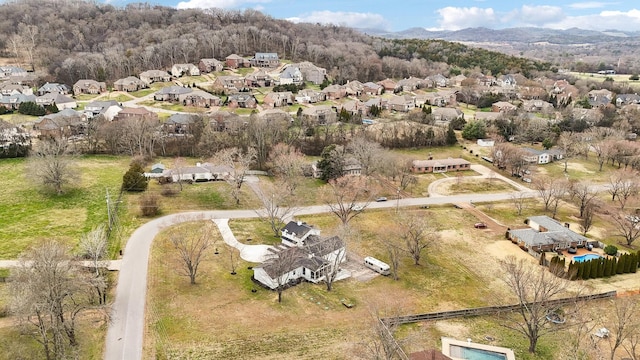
<point x="480" y="225"/>
<point x="457" y="206"/>
<point x="527" y="180"/>
<point x="381" y="199"/>
<point x="358" y="208"/>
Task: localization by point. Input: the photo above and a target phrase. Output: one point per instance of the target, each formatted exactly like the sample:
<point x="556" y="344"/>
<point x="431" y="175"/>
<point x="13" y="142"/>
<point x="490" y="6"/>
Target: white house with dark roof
<point x="546" y="234"/>
<point x="311" y="257"/>
<point x="542" y="156"/>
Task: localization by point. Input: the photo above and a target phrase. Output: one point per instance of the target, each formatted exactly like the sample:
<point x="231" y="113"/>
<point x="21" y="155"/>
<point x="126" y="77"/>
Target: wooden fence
<point x="407" y="319"/>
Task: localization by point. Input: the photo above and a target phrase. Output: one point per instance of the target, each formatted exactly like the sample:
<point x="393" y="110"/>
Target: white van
<point x="376" y="265"/>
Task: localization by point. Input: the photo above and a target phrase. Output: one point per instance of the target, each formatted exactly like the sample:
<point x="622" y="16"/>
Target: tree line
<point x="84" y="39"/>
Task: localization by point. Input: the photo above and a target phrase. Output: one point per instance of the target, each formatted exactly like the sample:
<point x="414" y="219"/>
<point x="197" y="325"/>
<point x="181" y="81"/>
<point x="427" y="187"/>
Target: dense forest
<point x="67" y="40"/>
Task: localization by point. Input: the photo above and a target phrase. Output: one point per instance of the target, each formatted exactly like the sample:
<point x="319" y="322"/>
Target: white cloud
<point x="351" y="19"/>
<point x="223" y="4"/>
<point x="456" y="18"/>
<point x="605" y="20"/>
<point x="539" y="15"/>
<point x="588" y="5"/>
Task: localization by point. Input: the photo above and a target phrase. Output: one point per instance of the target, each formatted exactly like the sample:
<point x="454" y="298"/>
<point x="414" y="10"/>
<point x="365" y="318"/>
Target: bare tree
<point x="238" y="162"/>
<point x="628" y="227"/>
<point x="276" y="207"/>
<point x="287" y="163"/>
<point x="394" y="251"/>
<point x="93" y="246"/>
<point x="519" y="200"/>
<point x="179" y="163"/>
<point x="333" y="250"/>
<point x="343" y="194"/>
<point x="191" y="250"/>
<point x="368" y="153"/>
<point x="234" y="255"/>
<point x="586" y="222"/>
<point x="417" y="235"/>
<point x="533" y="288"/>
<point x="585" y="193"/>
<point x="379" y="342"/>
<point x="567" y="144"/>
<point x="51" y="165"/>
<point x="280" y="264"/>
<point x="48" y="293"/>
<point x="624" y="323"/>
<point x="622" y="186"/>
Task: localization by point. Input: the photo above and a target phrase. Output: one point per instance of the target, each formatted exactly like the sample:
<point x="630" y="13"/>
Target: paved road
<point x="125" y="333"/>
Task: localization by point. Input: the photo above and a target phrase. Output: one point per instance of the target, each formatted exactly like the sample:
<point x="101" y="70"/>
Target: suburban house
<point x="89" y="87"/>
<point x="258" y="78"/>
<point x="542" y="156"/>
<point x="402" y="103"/>
<point x="234" y="61"/>
<point x="438" y="98"/>
<point x="62" y="101"/>
<point x="503" y="107"/>
<point x="353" y="88"/>
<point x="13" y="101"/>
<point x="411" y="84"/>
<point x="507" y="80"/>
<point x="310" y="257"/>
<point x="627" y="99"/>
<point x="135" y="114"/>
<point x="438" y="80"/>
<point x="379" y="102"/>
<point x="591" y="116"/>
<point x="153" y="76"/>
<point x="30" y="80"/>
<point x="537" y="106"/>
<point x="62" y="124"/>
<point x="372" y="89"/>
<point x="334" y="92"/>
<point x="109" y="109"/>
<point x="199" y="98"/>
<point x="457" y="80"/>
<point x="171" y="93"/>
<point x="199" y="172"/>
<point x="129" y="84"/>
<point x="54" y="88"/>
<point x="311" y="73"/>
<point x="229" y="84"/>
<point x="179" y="124"/>
<point x="278" y="99"/>
<point x="443" y="115"/>
<point x="178" y="70"/>
<point x="440" y="165"/>
<point x="545" y="234"/>
<point x="9" y="70"/>
<point x="600" y="97"/>
<point x="353" y="107"/>
<point x="310" y="96"/>
<point x="269" y="60"/>
<point x="242" y="100"/>
<point x="225" y="121"/>
<point x="7" y="88"/>
<point x="291" y="75"/>
<point x="388" y="85"/>
<point x="210" y="65"/>
<point x="275" y="115"/>
<point x="320" y="114"/>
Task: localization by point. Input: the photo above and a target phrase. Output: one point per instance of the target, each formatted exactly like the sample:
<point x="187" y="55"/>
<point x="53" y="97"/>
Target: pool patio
<point x="455" y="349"/>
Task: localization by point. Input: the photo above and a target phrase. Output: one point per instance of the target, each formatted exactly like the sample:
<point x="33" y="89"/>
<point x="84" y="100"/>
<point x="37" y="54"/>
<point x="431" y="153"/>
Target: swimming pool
<point x="463" y="352"/>
<point x="586" y="257"/>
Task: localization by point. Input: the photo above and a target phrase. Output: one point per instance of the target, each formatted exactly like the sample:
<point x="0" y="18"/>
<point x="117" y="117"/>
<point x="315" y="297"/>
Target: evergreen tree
<point x="593" y="271"/>
<point x="614" y="266"/>
<point x="620" y="267"/>
<point x="607" y="267"/>
<point x="600" y="267"/>
<point x="134" y="179"/>
<point x="451" y="135"/>
<point x="331" y="163"/>
<point x="586" y="270"/>
<point x="634" y="262"/>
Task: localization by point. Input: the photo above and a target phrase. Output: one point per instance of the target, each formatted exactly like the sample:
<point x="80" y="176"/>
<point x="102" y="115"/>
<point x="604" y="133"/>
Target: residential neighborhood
<point x="186" y="183"/>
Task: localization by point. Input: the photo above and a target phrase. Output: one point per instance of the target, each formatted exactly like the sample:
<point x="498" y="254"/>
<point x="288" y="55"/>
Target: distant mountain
<point x="513" y="35"/>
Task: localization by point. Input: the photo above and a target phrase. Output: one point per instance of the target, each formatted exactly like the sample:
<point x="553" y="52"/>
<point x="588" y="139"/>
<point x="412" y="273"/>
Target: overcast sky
<point x="434" y="15"/>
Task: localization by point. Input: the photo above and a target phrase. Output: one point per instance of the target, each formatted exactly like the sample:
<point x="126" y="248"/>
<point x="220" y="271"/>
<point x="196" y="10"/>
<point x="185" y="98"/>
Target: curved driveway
<point x="126" y="329"/>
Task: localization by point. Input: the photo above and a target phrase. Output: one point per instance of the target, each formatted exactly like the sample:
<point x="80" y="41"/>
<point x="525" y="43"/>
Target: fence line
<point x="407" y="319"/>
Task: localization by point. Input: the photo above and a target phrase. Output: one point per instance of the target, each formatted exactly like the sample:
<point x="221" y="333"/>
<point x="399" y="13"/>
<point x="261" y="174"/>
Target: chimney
<point x="299" y="223"/>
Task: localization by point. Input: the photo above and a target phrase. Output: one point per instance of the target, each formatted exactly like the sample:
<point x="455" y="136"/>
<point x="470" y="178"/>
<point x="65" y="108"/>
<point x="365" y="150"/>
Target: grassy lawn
<point x="27" y="214"/>
<point x="198" y="322"/>
<point x="152" y="88"/>
<point x="119" y="97"/>
<point x="165" y="105"/>
<point x="85" y="97"/>
<point x="18" y="119"/>
<point x="478" y="186"/>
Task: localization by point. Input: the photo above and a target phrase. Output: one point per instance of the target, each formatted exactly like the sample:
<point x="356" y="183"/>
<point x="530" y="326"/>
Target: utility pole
<point x="108" y="209"/>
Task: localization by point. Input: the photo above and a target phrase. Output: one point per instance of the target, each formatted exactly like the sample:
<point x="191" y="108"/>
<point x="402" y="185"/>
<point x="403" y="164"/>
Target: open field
<point x="600" y="77"/>
<point x="18" y="119"/>
<point x="310" y="323"/>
